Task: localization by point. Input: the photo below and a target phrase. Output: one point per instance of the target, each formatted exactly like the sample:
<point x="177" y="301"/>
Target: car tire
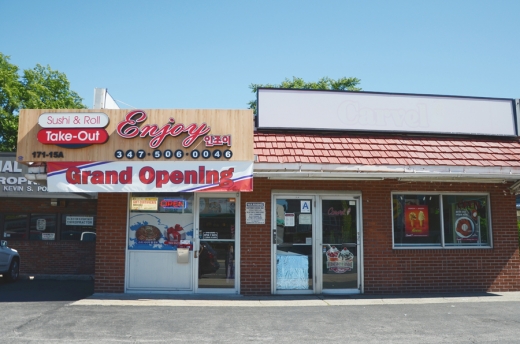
<point x="14" y="270"/>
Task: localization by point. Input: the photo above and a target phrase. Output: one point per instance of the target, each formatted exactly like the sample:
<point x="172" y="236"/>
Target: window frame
<point x="443" y="245"/>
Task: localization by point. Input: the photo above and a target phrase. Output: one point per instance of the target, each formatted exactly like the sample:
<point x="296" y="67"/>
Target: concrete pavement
<point x="169" y="300"/>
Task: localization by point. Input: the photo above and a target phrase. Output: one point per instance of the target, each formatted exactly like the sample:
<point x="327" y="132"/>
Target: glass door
<point x="293" y="267"/>
<point x="216" y="243"/>
<point x="340" y="246"/>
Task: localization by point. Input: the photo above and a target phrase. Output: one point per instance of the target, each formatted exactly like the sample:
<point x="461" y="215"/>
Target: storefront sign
<point x="79" y="221"/>
<point x="13" y="182"/>
<point x="385" y="112"/>
<point x="129" y="129"/>
<point x="137" y="135"/>
<point x="144" y="203"/>
<point x="73" y="120"/>
<point x="146" y="177"/>
<point x="72" y="136"/>
<point x="255" y="213"/>
<point x="305" y="206"/>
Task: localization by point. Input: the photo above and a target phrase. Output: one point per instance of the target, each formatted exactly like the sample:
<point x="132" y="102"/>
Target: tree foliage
<point x="37" y="88"/>
<point x="325" y="83"/>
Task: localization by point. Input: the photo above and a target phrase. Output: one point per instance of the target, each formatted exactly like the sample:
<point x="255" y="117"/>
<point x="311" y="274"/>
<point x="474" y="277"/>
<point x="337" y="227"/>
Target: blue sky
<point x="205" y="54"/>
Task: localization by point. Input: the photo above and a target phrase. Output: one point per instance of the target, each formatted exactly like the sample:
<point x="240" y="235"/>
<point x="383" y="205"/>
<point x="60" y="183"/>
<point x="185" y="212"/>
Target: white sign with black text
<point x="255" y="213"/>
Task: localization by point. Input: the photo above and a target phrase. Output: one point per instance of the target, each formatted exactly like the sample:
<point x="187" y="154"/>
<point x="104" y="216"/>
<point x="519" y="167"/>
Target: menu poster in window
<point x="416" y="220"/>
<point x="466" y="226"/>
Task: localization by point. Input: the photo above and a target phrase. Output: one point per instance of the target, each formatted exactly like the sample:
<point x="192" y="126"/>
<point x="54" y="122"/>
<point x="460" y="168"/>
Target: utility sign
<point x="305" y="207"/>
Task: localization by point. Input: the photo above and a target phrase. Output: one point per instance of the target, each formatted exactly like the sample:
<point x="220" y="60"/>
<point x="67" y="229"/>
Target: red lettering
<point x="176" y="177"/>
<point x="162" y="178"/>
<point x="73" y="175"/>
<point x="226" y="178"/>
<point x="147" y="175"/>
<point x="128" y="129"/>
<point x="333" y="212"/>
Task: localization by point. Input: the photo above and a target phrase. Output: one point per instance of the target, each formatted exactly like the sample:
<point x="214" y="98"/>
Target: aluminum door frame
<point x="196" y="243"/>
<point x="349" y="196"/>
<point x="317" y="196"/>
<point x="291" y="195"/>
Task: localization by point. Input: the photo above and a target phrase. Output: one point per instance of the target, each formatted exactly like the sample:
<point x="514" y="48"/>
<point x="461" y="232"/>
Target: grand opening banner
<point x="142" y="176"/>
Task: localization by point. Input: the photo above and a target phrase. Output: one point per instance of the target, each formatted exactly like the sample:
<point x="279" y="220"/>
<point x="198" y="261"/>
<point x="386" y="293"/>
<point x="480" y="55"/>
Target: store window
<point x="78" y="227"/>
<point x="160" y="222"/>
<point x="15" y="226"/>
<point x="38" y="227"/>
<point x="436" y="220"/>
<point x="43" y="227"/>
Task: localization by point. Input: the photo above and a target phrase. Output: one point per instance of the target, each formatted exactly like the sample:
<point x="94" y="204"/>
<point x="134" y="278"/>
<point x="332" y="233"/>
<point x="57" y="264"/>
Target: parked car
<point x="9" y="262"/>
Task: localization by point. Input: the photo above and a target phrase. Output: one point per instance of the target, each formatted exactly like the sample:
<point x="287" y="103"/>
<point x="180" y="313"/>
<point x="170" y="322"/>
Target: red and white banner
<point x="143" y="176"/>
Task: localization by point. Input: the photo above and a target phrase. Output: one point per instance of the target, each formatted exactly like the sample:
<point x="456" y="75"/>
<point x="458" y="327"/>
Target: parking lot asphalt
<point x="67" y="311"/>
<point x="37" y="289"/>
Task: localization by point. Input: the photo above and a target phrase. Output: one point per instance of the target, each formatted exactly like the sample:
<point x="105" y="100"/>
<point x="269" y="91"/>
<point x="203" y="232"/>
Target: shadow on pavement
<point x="40" y="290"/>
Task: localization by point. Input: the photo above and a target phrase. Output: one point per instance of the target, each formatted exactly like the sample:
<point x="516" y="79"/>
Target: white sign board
<point x="79" y="221"/>
<point x="363" y="111"/>
<point x="255" y="213"/>
<point x="289" y="220"/>
<point x="72" y="120"/>
<point x="305" y="206"/>
<point x="48" y="236"/>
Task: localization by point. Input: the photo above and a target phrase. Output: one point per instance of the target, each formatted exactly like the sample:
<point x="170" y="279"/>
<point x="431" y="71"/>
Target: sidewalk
<point x="169" y="300"/>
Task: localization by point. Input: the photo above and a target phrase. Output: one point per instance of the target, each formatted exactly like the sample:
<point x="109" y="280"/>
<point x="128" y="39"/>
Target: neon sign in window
<point x="173" y="204"/>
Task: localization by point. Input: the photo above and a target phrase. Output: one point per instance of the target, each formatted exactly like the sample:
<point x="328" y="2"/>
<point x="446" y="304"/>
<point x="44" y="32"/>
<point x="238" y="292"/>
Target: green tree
<point x="325" y="83"/>
<point x="38" y="88"/>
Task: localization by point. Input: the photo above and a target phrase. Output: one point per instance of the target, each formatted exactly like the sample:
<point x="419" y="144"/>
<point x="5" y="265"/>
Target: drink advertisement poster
<point x="466" y="226"/>
<point x="416" y="220"/>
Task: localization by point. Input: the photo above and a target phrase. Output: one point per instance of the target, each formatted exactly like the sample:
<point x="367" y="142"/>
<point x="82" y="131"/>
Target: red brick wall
<point x="111" y="243"/>
<point x="52" y="257"/>
<point x="388" y="270"/>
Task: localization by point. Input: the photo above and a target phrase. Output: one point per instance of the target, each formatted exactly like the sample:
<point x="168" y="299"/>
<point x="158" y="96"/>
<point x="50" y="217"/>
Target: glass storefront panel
<point x="417" y="220"/>
<point x="465" y="220"/>
<point x="339" y="249"/>
<point x="216" y="254"/>
<point x="294" y="258"/>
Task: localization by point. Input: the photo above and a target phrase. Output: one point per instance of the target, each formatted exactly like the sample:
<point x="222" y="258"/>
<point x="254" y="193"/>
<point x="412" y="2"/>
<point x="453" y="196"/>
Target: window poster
<point x="160" y="231"/>
<point x="466" y="225"/>
<point x="339" y="261"/>
<point x="416" y="220"/>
